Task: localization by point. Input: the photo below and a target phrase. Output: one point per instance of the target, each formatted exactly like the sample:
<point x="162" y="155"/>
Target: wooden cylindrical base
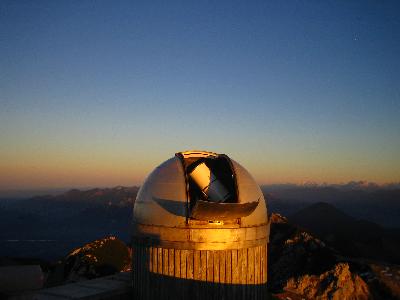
<point x="160" y="273"/>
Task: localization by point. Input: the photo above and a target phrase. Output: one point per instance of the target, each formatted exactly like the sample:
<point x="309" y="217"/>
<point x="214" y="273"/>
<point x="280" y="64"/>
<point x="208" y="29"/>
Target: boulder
<point x="338" y="283"/>
<point x="99" y="258"/>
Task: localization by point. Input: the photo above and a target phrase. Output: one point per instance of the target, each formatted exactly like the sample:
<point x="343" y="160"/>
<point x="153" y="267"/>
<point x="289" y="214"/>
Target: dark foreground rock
<point x="99" y="258"/>
<point x="302" y="266"/>
<point x="96" y="259"/>
<point x="294" y="253"/>
<point x="338" y="283"/>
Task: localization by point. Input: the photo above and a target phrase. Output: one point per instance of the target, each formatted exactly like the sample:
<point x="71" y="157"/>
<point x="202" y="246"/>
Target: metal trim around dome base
<point x="200" y="238"/>
<point x="150" y="242"/>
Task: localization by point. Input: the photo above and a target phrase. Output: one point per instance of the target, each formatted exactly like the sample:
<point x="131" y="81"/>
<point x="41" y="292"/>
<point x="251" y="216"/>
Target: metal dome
<point x="165" y="201"/>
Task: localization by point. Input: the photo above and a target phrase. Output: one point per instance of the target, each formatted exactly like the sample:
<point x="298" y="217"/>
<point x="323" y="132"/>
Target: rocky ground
<point x="304" y="267"/>
<point x="301" y="266"/>
<point x="96" y="259"/>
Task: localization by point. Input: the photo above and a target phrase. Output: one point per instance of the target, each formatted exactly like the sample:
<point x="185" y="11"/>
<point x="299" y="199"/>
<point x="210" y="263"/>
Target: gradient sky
<point x="97" y="93"/>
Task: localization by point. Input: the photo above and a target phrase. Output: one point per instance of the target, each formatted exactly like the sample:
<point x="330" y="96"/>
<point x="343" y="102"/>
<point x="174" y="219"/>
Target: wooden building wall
<point x="199" y="274"/>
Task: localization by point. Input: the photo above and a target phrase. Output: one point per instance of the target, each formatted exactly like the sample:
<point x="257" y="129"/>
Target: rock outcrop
<point x="99" y="258"/>
<point x="338" y="283"/>
<point x="295" y="252"/>
<point x="303" y="265"/>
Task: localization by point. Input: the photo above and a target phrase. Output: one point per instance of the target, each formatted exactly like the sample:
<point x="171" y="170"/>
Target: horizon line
<point x="360" y="183"/>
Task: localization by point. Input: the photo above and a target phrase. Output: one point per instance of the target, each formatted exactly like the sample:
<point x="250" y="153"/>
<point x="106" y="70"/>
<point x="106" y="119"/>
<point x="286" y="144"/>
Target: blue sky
<point x="100" y="92"/>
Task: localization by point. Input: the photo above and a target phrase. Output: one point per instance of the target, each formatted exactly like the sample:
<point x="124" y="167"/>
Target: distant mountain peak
<point x="278" y="218"/>
<point x="362" y="185"/>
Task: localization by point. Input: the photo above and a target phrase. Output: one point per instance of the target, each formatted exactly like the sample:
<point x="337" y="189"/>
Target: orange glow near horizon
<point x="69" y="173"/>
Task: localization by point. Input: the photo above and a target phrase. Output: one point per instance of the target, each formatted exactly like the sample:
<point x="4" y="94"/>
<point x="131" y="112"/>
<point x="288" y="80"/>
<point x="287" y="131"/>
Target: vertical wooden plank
<point x="183" y="263"/>
<point x="150" y="259"/>
<point x="189" y="268"/>
<point x="264" y="264"/>
<point x="244" y="266"/>
<point x="171" y="262"/>
<point x="143" y="271"/>
<point x="240" y="262"/>
<point x="216" y="275"/>
<point x="235" y="274"/>
<point x="222" y="274"/>
<point x="140" y="286"/>
<point x="216" y="266"/>
<point x="202" y="286"/>
<point x="158" y="278"/>
<point x="152" y="283"/>
<point x="147" y="273"/>
<point x="228" y="266"/>
<point x="210" y="273"/>
<point x="210" y="266"/>
<point x="250" y="265"/>
<point x="250" y="274"/>
<point x="222" y="266"/>
<point x="183" y="289"/>
<point x="244" y="273"/>
<point x="262" y="282"/>
<point x="150" y="274"/>
<point x="136" y="280"/>
<point x="203" y="263"/>
<point x="160" y="261"/>
<point x="155" y="255"/>
<point x="261" y="267"/>
<point x="165" y="262"/>
<point x="177" y="263"/>
<point x="196" y="274"/>
<point x="197" y="265"/>
<point x="189" y="264"/>
<point x="262" y="260"/>
<point x="257" y="266"/>
<point x="235" y="267"/>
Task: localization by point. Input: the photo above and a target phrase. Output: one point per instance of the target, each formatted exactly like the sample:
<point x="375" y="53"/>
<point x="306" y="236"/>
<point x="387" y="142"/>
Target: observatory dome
<point x="200" y="203"/>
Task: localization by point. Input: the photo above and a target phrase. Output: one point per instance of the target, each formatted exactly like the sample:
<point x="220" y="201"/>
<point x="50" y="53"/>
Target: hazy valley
<point x="48" y="226"/>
